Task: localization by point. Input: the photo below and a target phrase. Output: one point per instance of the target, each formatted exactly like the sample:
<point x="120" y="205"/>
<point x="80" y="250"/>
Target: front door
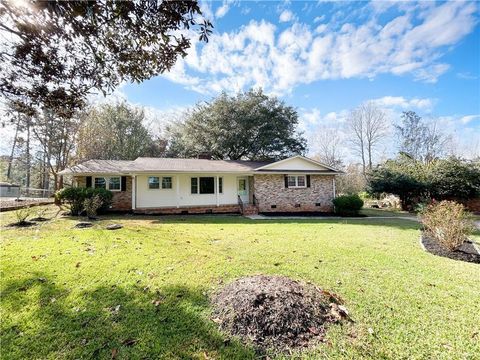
<point x="242" y="189"/>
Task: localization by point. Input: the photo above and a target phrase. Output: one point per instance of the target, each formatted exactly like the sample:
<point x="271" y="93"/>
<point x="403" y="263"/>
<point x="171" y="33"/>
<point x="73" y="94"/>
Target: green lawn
<point x="141" y="292"/>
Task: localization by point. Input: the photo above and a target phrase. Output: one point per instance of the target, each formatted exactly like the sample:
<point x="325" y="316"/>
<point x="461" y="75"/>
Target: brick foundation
<point x="270" y="190"/>
<point x="223" y="209"/>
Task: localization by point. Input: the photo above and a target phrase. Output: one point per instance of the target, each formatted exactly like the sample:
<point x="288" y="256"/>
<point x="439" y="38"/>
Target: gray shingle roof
<point x="162" y="165"/>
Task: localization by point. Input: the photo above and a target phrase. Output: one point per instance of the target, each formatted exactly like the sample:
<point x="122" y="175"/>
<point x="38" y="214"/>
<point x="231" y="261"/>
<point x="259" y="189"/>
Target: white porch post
<point x="216" y="191"/>
<point x="134" y="191"/>
<point x="177" y="198"/>
<point x="333" y="181"/>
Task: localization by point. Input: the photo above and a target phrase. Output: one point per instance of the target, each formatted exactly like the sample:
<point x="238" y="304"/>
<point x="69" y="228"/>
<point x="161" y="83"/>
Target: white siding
<point x="295" y="164"/>
<point x="155" y="198"/>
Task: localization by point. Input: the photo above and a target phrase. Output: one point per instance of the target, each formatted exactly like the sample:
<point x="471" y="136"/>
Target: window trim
<point x="119" y="183"/>
<point x="296" y="186"/>
<point x="198" y="185"/>
<point x="161" y="183"/>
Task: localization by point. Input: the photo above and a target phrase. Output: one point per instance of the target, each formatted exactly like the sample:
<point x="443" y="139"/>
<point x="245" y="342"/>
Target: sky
<point x="326" y="58"/>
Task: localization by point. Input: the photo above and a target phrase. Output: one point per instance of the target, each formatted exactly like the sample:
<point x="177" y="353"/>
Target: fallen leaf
<point x="129" y="342"/>
<point x="370" y="331"/>
<point x="114" y="353"/>
<point x="77" y="265"/>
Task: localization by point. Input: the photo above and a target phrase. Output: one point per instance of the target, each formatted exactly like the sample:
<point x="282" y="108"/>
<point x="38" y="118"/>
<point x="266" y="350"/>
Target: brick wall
<point x="270" y="190"/>
<point x="122" y="200"/>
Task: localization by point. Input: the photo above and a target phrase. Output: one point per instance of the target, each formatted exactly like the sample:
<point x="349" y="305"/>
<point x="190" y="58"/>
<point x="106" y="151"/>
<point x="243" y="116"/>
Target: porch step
<point x="250" y="209"/>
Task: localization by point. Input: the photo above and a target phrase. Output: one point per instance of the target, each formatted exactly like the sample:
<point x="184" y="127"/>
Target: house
<point x="180" y="186"/>
<point x="9" y="190"/>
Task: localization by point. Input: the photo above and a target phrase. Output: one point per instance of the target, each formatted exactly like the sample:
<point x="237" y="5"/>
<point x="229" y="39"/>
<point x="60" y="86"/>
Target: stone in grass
<point x="276" y="313"/>
<point x="83" y="224"/>
<point x="114" y="227"/>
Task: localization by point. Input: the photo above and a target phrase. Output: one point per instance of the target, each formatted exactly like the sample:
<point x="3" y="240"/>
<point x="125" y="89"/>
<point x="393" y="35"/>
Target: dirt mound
<point x="275" y="312"/>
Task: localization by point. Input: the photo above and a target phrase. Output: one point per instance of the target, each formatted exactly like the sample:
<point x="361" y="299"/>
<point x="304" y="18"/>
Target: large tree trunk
<point x="28" y="160"/>
<point x="10" y="160"/>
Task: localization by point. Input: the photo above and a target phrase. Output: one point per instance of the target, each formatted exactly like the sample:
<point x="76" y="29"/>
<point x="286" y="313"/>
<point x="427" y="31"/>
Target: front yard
<point x="142" y="291"/>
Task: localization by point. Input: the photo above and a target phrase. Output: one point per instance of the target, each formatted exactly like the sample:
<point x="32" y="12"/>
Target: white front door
<point x="242" y="189"/>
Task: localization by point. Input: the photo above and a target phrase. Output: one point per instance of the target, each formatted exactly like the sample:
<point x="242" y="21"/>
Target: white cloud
<point x="259" y="55"/>
<point x="424" y="104"/>
<point x="469" y="118"/>
<point x="222" y="10"/>
<point x="286" y="16"/>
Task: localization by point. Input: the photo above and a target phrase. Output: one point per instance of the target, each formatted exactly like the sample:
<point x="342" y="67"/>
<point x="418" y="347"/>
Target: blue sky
<point x="326" y="58"/>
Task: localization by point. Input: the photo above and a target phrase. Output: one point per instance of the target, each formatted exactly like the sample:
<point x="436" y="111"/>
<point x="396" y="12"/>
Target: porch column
<point x="217" y="187"/>
<point x="177" y="198"/>
<point x="333" y="180"/>
<point x="134" y="191"/>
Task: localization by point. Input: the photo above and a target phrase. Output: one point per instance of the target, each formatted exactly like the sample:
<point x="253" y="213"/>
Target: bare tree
<point x="368" y="125"/>
<point x="329" y="142"/>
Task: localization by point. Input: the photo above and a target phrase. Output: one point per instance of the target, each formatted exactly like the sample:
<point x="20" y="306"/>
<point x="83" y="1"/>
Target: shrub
<point x="348" y="204"/>
<point x="92" y="205"/>
<point x="448" y="223"/>
<point x="22" y="214"/>
<point x="105" y="195"/>
<point x="75" y="197"/>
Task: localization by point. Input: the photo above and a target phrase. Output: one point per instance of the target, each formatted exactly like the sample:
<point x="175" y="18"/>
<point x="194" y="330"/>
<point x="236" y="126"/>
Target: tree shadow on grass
<point x="44" y="320"/>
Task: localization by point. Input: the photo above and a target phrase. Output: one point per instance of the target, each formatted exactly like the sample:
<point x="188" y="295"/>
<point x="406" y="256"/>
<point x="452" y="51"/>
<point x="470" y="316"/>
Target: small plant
<point x="92" y="205"/>
<point x="448" y="223"/>
<point x="104" y="195"/>
<point x="22" y="215"/>
<point x="75" y="197"/>
<point x="348" y="205"/>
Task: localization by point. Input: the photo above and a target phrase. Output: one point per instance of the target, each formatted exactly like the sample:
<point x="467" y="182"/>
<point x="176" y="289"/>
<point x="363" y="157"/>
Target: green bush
<point x="75" y="197"/>
<point x="104" y="195"/>
<point x="92" y="205"/>
<point x="348" y="204"/>
<point x="448" y="223"/>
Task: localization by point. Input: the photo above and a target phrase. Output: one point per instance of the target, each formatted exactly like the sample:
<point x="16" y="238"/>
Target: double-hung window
<point x="114" y="183"/>
<point x="166" y="182"/>
<point x="100" y="183"/>
<point x="153" y="182"/>
<point x="297" y="181"/>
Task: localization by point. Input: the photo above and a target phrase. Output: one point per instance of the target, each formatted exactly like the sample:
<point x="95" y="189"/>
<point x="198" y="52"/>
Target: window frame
<point x="94" y="183"/>
<point x="296" y="186"/>
<point x="197" y="185"/>
<point x="119" y="183"/>
<point x="171" y="183"/>
<point x="150" y="183"/>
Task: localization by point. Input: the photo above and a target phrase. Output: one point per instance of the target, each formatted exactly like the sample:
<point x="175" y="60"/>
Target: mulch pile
<point x="275" y="312"/>
<point x="466" y="253"/>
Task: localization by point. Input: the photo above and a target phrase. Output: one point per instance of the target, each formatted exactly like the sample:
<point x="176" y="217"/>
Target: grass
<point x="142" y="291"/>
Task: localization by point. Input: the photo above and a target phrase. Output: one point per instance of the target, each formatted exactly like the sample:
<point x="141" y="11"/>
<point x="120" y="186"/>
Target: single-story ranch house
<point x="181" y="186"/>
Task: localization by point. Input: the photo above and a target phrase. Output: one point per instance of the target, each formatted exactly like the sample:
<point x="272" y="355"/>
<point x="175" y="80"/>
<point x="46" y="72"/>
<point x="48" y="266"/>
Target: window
<point x="100" y="183"/>
<point x="114" y="184"/>
<point x="167" y="182"/>
<point x="194" y="185"/>
<point x="207" y="185"/>
<point x="153" y="182"/>
<point x="220" y="185"/>
<point x="203" y="185"/>
<point x="296" y="181"/>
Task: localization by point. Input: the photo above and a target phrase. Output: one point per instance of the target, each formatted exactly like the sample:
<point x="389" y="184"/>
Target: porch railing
<point x="240" y="203"/>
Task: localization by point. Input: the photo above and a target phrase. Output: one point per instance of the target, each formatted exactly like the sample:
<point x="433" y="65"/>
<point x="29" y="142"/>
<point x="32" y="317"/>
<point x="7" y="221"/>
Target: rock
<point x="114" y="227"/>
<point x="82" y="225"/>
<point x="468" y="248"/>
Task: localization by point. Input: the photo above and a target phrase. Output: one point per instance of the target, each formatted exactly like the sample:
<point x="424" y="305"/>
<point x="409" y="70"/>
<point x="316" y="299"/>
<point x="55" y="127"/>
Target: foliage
<point x="105" y="196"/>
<point x="348" y="204"/>
<point x="116" y="132"/>
<point x="352" y="182"/>
<point x="421" y="141"/>
<point x="250" y="126"/>
<point x="448" y="223"/>
<point x="92" y="205"/>
<point x="22" y="215"/>
<point x="75" y="197"/>
<point x="415" y="181"/>
<point x="54" y="53"/>
<point x="165" y="269"/>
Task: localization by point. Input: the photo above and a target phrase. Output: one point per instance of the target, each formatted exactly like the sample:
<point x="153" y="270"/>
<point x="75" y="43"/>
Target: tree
<point x="329" y="142"/>
<point x="116" y="132"/>
<point x="423" y="142"/>
<point x="415" y="181"/>
<point x="54" y="53"/>
<point x="368" y="125"/>
<point x="248" y="126"/>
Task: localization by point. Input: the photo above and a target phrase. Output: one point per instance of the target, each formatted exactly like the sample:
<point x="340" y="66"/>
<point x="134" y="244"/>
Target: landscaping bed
<point x="468" y="252"/>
